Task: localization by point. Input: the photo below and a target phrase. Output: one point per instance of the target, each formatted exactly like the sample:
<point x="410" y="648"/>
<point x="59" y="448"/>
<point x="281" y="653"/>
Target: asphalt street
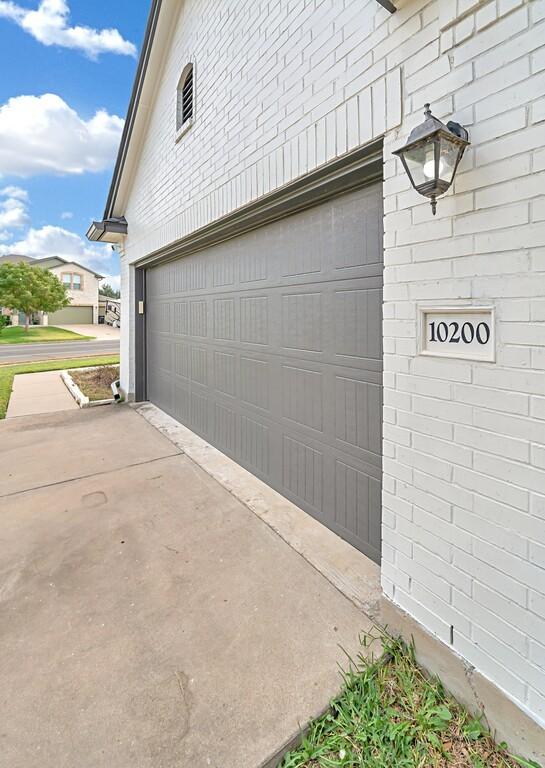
<point x="22" y="353"/>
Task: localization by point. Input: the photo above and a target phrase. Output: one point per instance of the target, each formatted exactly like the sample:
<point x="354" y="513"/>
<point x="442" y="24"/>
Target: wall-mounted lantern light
<point x="432" y="154"/>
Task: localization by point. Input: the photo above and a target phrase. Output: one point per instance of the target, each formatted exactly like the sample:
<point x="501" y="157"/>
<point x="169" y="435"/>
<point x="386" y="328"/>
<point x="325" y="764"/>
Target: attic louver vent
<point x="185" y="97"/>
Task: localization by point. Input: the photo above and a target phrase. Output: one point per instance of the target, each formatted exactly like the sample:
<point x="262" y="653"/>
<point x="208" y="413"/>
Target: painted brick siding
<point x="464" y="479"/>
<point x="283" y="88"/>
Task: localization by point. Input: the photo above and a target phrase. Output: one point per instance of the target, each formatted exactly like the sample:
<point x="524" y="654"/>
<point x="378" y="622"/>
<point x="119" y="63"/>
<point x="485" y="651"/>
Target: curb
<point x="81" y="399"/>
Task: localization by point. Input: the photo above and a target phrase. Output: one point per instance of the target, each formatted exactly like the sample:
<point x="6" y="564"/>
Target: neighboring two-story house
<point x="82" y="286"/>
<point x="290" y="297"/>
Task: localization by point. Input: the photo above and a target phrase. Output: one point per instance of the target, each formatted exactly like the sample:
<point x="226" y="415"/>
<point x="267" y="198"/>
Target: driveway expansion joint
<point x="68" y="480"/>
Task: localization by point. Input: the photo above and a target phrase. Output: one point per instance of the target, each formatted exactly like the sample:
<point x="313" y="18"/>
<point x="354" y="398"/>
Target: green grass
<point x="7" y="372"/>
<point x="16" y="334"/>
<point x="390" y="715"/>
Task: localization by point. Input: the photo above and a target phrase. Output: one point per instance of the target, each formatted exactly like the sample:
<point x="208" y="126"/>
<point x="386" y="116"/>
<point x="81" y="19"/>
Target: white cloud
<point x="56" y="241"/>
<point x="67" y="215"/>
<point x="13" y="210"/>
<point x="49" y="240"/>
<point x="113" y="280"/>
<point x="49" y="24"/>
<point x="16" y="192"/>
<point x="42" y="134"/>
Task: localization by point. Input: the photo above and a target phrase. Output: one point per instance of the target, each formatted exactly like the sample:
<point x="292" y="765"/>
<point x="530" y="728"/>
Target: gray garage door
<point x="71" y="316"/>
<point x="269" y="346"/>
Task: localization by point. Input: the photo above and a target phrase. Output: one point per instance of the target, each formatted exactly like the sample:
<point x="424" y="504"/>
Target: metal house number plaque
<point x="461" y="332"/>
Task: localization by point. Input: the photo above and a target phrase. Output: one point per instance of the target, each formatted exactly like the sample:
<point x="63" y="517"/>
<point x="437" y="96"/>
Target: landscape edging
<point x="81" y="399"/>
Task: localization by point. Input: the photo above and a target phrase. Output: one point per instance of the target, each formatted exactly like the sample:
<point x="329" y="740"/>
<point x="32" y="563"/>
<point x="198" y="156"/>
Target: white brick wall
<point x="465" y="444"/>
<point x="282" y="89"/>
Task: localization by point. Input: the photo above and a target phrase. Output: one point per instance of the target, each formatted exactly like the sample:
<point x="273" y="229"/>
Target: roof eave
<point x="111" y="230"/>
<point x="133" y="106"/>
<point x="388" y="5"/>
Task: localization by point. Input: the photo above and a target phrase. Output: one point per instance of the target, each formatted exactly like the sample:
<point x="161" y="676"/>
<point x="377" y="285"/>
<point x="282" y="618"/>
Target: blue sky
<point x="56" y="154"/>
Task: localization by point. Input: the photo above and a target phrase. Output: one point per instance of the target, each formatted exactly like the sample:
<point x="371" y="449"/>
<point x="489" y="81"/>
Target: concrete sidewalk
<point x="35" y="393"/>
<point x="148" y="619"/>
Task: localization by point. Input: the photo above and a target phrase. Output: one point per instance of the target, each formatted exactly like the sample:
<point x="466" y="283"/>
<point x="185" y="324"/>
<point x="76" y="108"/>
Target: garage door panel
<point x="286" y="412"/>
<point x="181" y="359"/>
<point x="72" y="315"/>
<point x="160" y="316"/>
<point x="357" y="231"/>
<point x="270" y="347"/>
<point x="303" y="397"/>
<point x="358" y="413"/>
<point x="302" y="471"/>
<point x="302" y="319"/>
<point x="225" y="428"/>
<point x="181" y="409"/>
<point x="160" y="390"/>
<point x="357" y="315"/>
<point x="160" y="353"/>
<point x="198" y="318"/>
<point x="199" y="405"/>
<point x="228" y="273"/>
<point x="188" y="275"/>
<point x="253" y="259"/>
<point x="254" y="320"/>
<point x="298" y="259"/>
<point x="255" y="448"/>
<point x="225" y="373"/>
<point x="357" y="506"/>
<point x="241" y="435"/>
<point x="198" y="365"/>
<point x="255" y="378"/>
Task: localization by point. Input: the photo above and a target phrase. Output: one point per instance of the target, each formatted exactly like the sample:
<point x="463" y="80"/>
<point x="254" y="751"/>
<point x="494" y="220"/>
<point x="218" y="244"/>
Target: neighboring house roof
<point x="14" y="258"/>
<point x="48" y="262"/>
<point x="51" y="261"/>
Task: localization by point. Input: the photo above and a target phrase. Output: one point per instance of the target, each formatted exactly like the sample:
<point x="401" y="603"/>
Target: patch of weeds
<point x="391" y="715"/>
<point x="96" y="384"/>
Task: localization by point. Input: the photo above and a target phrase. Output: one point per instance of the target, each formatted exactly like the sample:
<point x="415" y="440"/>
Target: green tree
<point x="30" y="289"/>
<point x="107" y="290"/>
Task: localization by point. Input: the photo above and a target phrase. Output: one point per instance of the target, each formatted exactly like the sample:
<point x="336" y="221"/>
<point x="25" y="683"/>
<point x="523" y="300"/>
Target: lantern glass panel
<point x="420" y="162"/>
<point x="448" y="157"/>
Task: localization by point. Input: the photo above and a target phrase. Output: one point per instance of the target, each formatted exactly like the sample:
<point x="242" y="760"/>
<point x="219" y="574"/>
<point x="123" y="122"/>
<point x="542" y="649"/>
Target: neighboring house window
<point x="72" y="281"/>
<point x="185" y="99"/>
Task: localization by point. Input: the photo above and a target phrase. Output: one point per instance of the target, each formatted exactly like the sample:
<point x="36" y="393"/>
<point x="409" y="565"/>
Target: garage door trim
<point x="353" y="171"/>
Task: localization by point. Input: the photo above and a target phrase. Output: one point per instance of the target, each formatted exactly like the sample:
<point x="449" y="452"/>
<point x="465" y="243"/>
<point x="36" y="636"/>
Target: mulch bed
<point x="96" y="384"/>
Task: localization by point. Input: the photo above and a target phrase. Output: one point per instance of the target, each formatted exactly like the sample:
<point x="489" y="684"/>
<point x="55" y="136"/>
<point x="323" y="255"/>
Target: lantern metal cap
<point x="431" y="126"/>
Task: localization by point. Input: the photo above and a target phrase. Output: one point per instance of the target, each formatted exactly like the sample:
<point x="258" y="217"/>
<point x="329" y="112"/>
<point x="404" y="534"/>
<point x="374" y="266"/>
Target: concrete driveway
<point x="101" y="332"/>
<point x="147" y="617"/>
